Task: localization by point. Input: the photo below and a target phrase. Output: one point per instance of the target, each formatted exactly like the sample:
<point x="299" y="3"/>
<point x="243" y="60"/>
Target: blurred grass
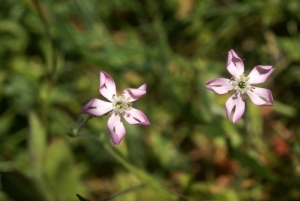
<point x="50" y="56"/>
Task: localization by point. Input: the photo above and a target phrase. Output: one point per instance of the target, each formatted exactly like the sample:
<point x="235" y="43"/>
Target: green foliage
<point x="81" y="198"/>
<point x="50" y="55"/>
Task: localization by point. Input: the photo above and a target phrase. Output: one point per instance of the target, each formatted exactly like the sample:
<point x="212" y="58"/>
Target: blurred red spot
<point x="281" y="147"/>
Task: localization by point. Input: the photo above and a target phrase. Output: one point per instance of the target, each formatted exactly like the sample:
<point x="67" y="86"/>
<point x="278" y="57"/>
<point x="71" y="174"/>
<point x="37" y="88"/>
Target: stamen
<point x="121" y="104"/>
<point x="241" y="84"/>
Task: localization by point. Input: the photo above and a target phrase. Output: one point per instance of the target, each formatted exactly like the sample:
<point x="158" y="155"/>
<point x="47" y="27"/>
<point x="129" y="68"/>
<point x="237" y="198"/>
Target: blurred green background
<point x="51" y="52"/>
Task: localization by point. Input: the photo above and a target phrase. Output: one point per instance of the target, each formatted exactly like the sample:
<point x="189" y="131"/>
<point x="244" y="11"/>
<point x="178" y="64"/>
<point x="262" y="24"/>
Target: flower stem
<point x="123" y="192"/>
<point x="75" y="131"/>
<point x="142" y="175"/>
<point x="88" y="117"/>
<point x="38" y="7"/>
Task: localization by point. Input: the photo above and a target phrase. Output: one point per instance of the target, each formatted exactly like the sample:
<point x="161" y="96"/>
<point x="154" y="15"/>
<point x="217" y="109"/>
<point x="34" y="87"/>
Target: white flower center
<point x="241" y="83"/>
<point x="121" y="104"/>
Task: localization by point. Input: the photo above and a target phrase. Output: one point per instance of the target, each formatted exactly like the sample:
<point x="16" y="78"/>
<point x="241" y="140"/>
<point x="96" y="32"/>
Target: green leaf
<point x="81" y="198"/>
<point x="37" y="144"/>
<point x="6" y="121"/>
<point x="284" y="109"/>
<point x="61" y="171"/>
<point x="251" y="163"/>
<point x="146" y="178"/>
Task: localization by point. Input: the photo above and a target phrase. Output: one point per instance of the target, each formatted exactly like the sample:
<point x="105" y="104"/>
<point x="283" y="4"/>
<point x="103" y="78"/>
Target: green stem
<point x="149" y="180"/>
<point x="84" y="121"/>
<point x="50" y="38"/>
<point x="144" y="176"/>
<point x="75" y="131"/>
<point x="247" y="141"/>
<point x="123" y="192"/>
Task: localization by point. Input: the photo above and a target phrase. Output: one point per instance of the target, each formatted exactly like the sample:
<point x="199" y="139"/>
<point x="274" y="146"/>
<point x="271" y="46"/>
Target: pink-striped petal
<point x="96" y="107"/>
<point x="135" y="116"/>
<point x="135" y="94"/>
<point x="219" y="85"/>
<point x="116" y="128"/>
<point x="107" y="86"/>
<point x="260" y="74"/>
<point x="235" y="65"/>
<point x="257" y="94"/>
<point x="238" y="102"/>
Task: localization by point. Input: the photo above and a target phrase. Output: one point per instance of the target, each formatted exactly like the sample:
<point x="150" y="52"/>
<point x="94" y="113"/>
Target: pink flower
<point x="242" y="85"/>
<point x="119" y="107"/>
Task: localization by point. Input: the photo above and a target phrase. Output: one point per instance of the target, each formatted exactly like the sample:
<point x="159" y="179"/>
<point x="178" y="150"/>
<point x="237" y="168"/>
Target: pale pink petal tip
<point x="107" y="86"/>
<point x="135" y="116"/>
<point x="135" y="94"/>
<point x="116" y="128"/>
<point x="219" y="85"/>
<point x="235" y="101"/>
<point x="235" y="64"/>
<point x="143" y="87"/>
<point x="86" y="107"/>
<point x="96" y="107"/>
<point x="261" y="96"/>
<point x="260" y="74"/>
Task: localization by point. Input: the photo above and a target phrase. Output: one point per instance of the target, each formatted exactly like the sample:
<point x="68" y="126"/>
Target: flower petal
<point x="143" y="87"/>
<point x="135" y="116"/>
<point x="107" y="86"/>
<point x="219" y="85"/>
<point x="135" y="94"/>
<point x="256" y="94"/>
<point x="237" y="101"/>
<point x="96" y="107"/>
<point x="235" y="65"/>
<point x="260" y="74"/>
<point x="116" y="128"/>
